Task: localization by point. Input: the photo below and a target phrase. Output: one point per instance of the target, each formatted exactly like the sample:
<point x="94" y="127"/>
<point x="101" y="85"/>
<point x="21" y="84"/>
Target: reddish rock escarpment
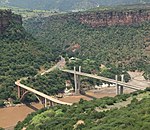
<point x="111" y="18"/>
<point x="6" y="18"/>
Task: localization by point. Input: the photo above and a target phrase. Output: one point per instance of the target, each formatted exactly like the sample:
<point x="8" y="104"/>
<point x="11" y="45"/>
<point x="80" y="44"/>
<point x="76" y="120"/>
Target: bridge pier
<point x="121" y="87"/>
<point x="77" y="81"/>
<point x="19" y="95"/>
<point x="50" y="103"/>
<point x="45" y="103"/>
<point x="117" y="87"/>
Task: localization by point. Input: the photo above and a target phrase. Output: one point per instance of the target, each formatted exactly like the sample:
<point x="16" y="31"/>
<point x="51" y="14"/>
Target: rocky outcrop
<point x="6" y="18"/>
<point x="111" y="18"/>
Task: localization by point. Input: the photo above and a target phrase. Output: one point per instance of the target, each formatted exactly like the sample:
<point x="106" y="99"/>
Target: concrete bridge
<point x="119" y="84"/>
<point x="48" y="101"/>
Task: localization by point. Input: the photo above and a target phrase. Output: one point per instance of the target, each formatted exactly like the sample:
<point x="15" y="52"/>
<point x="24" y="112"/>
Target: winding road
<point x="61" y="63"/>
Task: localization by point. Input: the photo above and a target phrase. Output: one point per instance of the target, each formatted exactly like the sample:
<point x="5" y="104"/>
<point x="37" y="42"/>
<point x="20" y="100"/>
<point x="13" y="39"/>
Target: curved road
<point x="41" y="94"/>
<point x="59" y="64"/>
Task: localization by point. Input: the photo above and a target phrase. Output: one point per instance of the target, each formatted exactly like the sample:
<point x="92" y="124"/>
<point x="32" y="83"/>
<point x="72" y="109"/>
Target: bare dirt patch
<point x="138" y="79"/>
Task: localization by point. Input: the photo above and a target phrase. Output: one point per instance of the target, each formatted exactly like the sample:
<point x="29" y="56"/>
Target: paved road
<point x="60" y="64"/>
<point x="41" y="94"/>
<point x="135" y="87"/>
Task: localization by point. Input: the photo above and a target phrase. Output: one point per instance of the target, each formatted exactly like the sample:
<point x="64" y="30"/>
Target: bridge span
<point x="119" y="89"/>
<point x="38" y="93"/>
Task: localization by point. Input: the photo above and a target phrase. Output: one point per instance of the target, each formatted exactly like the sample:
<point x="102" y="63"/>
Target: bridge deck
<point x="105" y="79"/>
<point x="41" y="94"/>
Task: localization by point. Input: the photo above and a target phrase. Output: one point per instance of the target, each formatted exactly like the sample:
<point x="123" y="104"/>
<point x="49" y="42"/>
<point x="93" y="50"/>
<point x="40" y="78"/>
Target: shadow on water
<point x="32" y="107"/>
<point x="89" y="96"/>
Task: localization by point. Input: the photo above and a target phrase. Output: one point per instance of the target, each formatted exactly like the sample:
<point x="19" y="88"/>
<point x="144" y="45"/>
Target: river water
<point x="11" y="115"/>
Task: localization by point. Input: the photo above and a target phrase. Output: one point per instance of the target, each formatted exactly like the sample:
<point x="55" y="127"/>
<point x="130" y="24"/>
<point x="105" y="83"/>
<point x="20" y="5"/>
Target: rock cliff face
<point x="111" y="18"/>
<point x="6" y="18"/>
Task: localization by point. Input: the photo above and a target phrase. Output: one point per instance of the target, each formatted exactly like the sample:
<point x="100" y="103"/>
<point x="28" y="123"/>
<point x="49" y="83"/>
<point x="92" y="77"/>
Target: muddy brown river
<point x="11" y="115"/>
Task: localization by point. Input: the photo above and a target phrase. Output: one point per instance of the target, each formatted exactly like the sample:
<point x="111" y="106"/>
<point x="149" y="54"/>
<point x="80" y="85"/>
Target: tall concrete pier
<point x="121" y="87"/>
<point x="77" y="81"/>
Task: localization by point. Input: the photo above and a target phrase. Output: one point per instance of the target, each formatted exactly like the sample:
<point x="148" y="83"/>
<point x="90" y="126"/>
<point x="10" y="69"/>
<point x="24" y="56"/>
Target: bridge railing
<point x="135" y="87"/>
<point x="41" y="94"/>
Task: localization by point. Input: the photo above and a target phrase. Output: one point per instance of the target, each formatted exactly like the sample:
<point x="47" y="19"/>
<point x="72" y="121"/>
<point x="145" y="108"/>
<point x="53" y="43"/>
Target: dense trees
<point x="1" y="103"/>
<point x="54" y="82"/>
<point x="90" y="114"/>
<point x="50" y="84"/>
<point x="66" y="5"/>
<point x="120" y="46"/>
<point x="21" y="56"/>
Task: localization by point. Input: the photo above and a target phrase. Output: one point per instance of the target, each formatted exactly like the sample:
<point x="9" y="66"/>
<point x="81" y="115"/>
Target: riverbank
<point x="9" y="116"/>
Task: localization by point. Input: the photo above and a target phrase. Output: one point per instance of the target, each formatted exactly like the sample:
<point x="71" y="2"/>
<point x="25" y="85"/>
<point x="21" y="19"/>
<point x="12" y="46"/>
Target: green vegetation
<point x="54" y="82"/>
<point x="21" y="56"/>
<point x="116" y="48"/>
<point x="66" y="5"/>
<point x="1" y="103"/>
<point x="122" y="7"/>
<point x="92" y="115"/>
<point x="28" y="13"/>
<point x="120" y="46"/>
<point x="94" y="67"/>
<point x="50" y="84"/>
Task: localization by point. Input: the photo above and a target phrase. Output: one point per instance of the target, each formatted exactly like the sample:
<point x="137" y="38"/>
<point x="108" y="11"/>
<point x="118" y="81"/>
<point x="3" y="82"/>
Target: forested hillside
<point x="53" y="83"/>
<point x="120" y="46"/>
<point x="66" y="5"/>
<point x="21" y="56"/>
<point x="128" y="112"/>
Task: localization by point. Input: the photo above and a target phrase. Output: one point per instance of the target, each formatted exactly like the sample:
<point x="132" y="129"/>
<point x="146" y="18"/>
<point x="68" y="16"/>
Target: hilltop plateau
<point x="67" y="5"/>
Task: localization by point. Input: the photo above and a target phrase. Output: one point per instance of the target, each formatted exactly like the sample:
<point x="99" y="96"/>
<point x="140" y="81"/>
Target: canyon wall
<point x="6" y="18"/>
<point x="111" y="18"/>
